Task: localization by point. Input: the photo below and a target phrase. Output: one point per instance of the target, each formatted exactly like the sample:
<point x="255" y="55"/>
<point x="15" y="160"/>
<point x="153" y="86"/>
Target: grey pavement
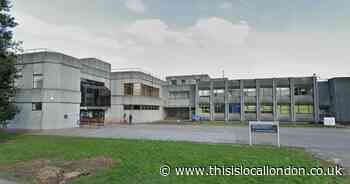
<point x="326" y="143"/>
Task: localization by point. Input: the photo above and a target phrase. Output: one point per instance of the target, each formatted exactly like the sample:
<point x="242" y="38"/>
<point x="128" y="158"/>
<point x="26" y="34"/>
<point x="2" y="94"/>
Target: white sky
<point x="131" y="36"/>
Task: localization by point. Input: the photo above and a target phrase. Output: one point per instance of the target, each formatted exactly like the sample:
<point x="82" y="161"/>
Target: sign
<point x="269" y="127"/>
<point x="329" y="121"/>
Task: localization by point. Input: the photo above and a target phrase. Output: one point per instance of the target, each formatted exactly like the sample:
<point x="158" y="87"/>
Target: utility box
<point x="329" y="121"/>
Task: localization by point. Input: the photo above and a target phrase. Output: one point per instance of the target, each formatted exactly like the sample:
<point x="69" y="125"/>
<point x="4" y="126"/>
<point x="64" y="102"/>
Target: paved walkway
<point x="327" y="143"/>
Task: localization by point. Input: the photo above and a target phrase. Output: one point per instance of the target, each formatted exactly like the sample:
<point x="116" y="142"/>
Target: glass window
<point x="234" y="108"/>
<point x="302" y="91"/>
<point x="38" y="80"/>
<point x="249" y="92"/>
<point x="219" y="108"/>
<point x="204" y="108"/>
<point x="218" y="92"/>
<point x="266" y="91"/>
<point x="283" y="91"/>
<point x="36" y="106"/>
<point x="283" y="109"/>
<point x="183" y="81"/>
<point x="304" y="109"/>
<point x="173" y="82"/>
<point x="128" y="89"/>
<point x="250" y="108"/>
<point x="235" y="92"/>
<point x="266" y="108"/>
<point x="204" y="92"/>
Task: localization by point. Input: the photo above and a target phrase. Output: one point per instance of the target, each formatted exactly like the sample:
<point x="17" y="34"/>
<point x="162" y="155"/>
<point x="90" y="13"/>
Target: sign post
<point x="263" y="127"/>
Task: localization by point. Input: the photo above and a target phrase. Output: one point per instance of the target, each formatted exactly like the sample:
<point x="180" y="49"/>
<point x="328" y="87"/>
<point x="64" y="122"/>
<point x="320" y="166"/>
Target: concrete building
<point x="138" y="94"/>
<point x="60" y="91"/>
<point x="49" y="95"/>
<point x="283" y="99"/>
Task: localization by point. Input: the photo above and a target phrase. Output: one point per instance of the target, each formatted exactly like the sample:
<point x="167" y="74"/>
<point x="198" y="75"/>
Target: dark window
<point x="94" y="93"/>
<point x="173" y="82"/>
<point x="36" y="106"/>
<point x="234" y="108"/>
<point x="302" y="91"/>
<point x="219" y="108"/>
<point x="183" y="81"/>
<point x="128" y="89"/>
<point x="141" y="107"/>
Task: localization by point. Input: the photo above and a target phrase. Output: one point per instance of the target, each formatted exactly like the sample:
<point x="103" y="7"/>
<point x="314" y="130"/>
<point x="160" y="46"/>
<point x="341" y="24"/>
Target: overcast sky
<point x="245" y="38"/>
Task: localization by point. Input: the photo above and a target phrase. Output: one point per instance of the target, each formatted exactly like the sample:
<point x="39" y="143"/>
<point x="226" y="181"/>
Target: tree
<point x="8" y="49"/>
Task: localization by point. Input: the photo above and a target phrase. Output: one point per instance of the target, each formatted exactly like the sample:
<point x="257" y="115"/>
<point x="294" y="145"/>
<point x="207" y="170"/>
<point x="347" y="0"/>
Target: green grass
<point x="139" y="160"/>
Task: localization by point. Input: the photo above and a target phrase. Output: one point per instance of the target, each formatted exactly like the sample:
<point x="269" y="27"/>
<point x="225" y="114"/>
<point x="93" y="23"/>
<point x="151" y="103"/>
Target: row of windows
<point x="236" y="108"/>
<point x="138" y="89"/>
<point x="263" y="92"/>
<point x="141" y="107"/>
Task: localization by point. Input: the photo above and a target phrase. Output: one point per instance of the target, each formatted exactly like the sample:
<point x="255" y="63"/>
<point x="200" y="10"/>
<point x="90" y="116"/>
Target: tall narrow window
<point x="38" y="80"/>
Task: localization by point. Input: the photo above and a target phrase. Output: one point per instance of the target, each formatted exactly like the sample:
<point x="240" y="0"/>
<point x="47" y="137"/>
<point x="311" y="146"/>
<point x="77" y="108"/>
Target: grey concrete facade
<point x="49" y="92"/>
<point x="50" y="96"/>
<point x="282" y="99"/>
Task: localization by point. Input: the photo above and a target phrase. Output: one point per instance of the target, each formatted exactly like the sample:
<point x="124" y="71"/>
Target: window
<point x="249" y="92"/>
<point x="204" y="92"/>
<point x="173" y="82"/>
<point x="149" y="91"/>
<point x="304" y="109"/>
<point x="218" y="92"/>
<point x="38" y="80"/>
<point x="250" y="108"/>
<point x="266" y="91"/>
<point x="219" y="108"/>
<point x="234" y="108"/>
<point x="235" y="92"/>
<point x="128" y="89"/>
<point x="283" y="92"/>
<point x="204" y="108"/>
<point x="302" y="91"/>
<point x="141" y="107"/>
<point x="183" y="81"/>
<point x="36" y="106"/>
<point x="283" y="109"/>
<point x="266" y="108"/>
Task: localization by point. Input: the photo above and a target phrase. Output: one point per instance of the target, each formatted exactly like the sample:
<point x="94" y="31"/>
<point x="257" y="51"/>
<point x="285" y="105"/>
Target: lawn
<point x="139" y="161"/>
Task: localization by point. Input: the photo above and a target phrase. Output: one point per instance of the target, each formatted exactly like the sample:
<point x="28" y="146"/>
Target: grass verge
<point x="139" y="160"/>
